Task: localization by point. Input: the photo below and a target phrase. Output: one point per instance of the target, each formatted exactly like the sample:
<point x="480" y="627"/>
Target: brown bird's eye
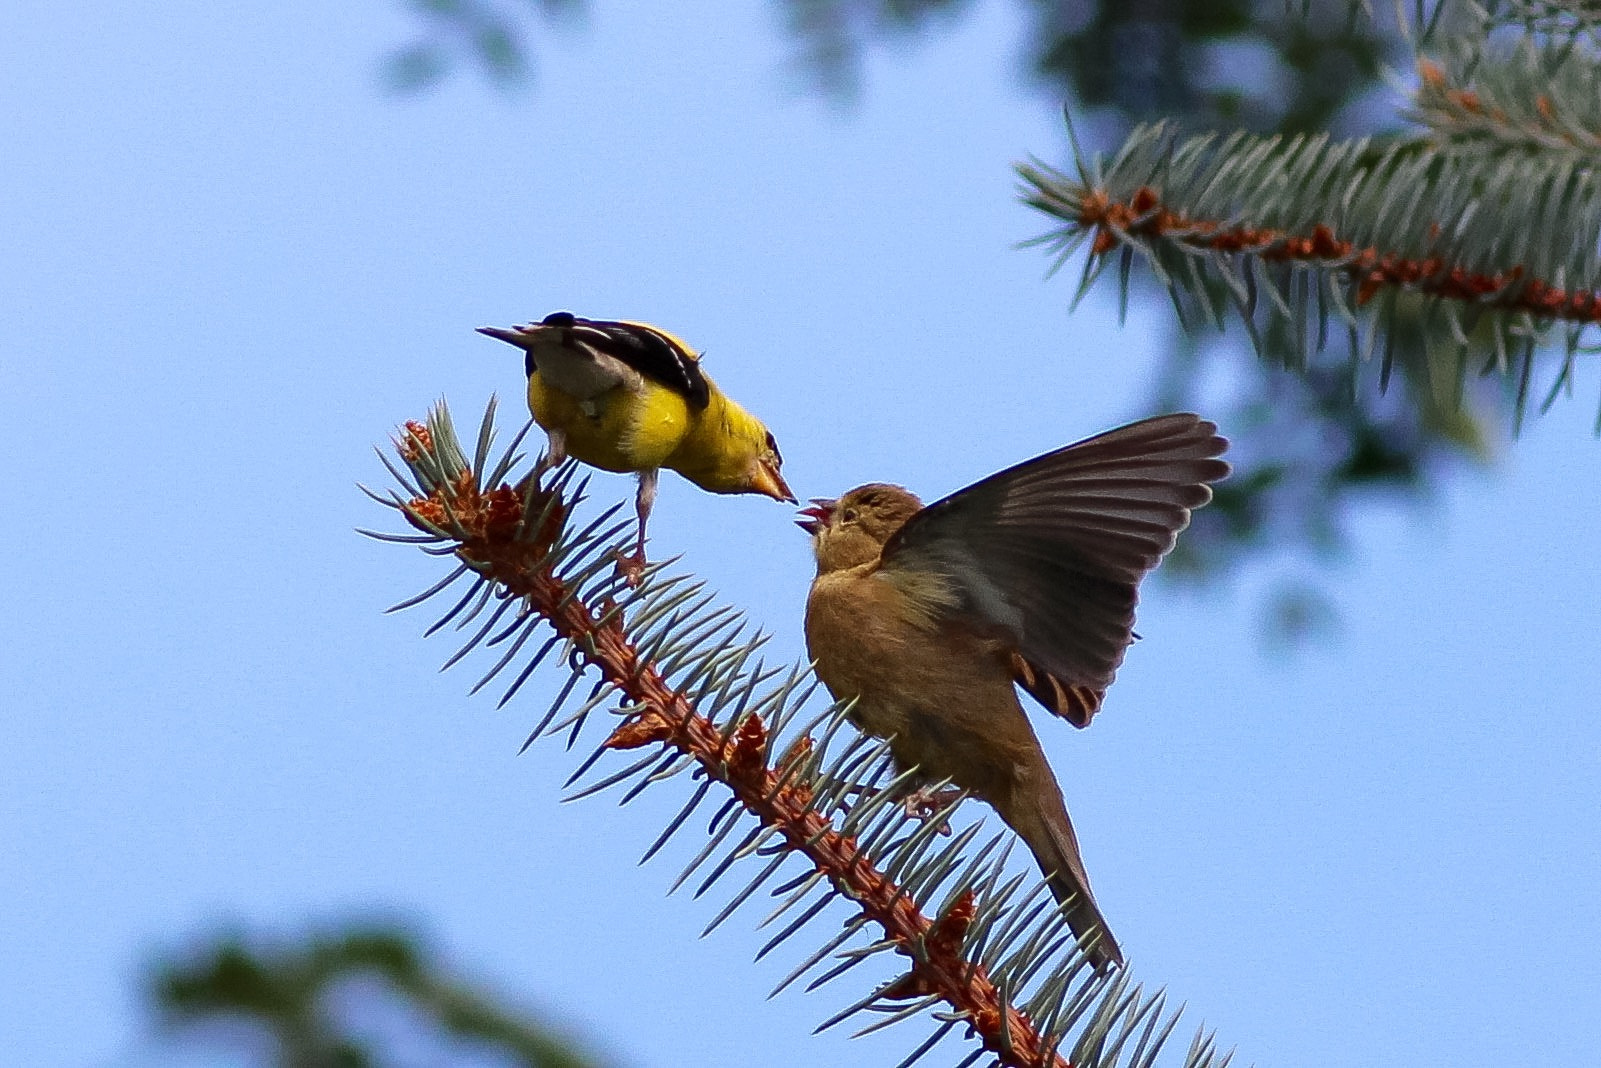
<point x="849" y="515"/>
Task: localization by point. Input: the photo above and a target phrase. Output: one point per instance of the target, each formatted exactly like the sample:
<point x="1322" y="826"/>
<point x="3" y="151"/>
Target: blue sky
<point x="231" y="264"/>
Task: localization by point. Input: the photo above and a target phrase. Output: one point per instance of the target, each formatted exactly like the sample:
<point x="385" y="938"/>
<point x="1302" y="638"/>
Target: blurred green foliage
<point x="355" y="996"/>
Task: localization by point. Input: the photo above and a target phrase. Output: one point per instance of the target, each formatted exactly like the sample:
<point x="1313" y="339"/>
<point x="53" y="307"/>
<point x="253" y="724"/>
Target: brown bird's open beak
<point x="816" y="516"/>
<point x="768" y="481"/>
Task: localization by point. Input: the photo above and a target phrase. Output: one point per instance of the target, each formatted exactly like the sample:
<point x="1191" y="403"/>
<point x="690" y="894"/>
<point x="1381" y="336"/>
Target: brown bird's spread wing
<point x="653" y="353"/>
<point x="1050" y="552"/>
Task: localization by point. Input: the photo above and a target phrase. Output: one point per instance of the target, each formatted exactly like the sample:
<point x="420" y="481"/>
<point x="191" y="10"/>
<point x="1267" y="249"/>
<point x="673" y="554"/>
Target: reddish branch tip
<point x="945" y="940"/>
<point x="490" y="520"/>
<point x="747" y="749"/>
<point x="798" y="750"/>
<point x="503" y="510"/>
<point x="431" y="509"/>
<point x="414" y="440"/>
<point x="639" y="732"/>
<point x="942" y="951"/>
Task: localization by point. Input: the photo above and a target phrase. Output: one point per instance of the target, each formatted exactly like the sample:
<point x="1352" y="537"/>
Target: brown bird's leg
<point x="922" y="803"/>
<point x="926" y="802"/>
<point x="632" y="568"/>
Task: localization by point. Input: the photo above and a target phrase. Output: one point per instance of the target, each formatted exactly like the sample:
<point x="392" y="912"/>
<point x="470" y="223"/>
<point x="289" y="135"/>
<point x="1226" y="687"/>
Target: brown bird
<point x="929" y="616"/>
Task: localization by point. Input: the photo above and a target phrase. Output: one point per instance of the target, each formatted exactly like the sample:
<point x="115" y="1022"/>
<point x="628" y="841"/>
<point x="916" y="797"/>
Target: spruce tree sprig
<point x="688" y="688"/>
<point x="1465" y="248"/>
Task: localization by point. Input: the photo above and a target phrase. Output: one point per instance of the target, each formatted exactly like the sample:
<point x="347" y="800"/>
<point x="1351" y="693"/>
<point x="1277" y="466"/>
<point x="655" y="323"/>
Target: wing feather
<point x="1050" y="552"/>
<point x="649" y="350"/>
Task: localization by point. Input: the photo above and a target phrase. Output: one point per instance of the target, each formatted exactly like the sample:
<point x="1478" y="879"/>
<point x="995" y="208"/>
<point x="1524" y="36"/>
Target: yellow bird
<point x="928" y="617"/>
<point x="626" y="396"/>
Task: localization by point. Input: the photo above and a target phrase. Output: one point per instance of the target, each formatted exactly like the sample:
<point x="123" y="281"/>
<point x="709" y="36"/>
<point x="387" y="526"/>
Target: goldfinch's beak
<point x="766" y="480"/>
<point x="816" y="516"/>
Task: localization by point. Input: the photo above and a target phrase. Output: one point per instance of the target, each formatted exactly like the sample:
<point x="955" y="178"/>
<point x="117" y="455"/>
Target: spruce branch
<point x="1566" y="21"/>
<point x="1491" y="246"/>
<point x="983" y="950"/>
<point x="1365" y="270"/>
<point x="1537" y="94"/>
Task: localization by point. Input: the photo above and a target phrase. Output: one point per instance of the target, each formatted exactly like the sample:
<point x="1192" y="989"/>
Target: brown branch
<point x="1372" y="269"/>
<point x="519" y="564"/>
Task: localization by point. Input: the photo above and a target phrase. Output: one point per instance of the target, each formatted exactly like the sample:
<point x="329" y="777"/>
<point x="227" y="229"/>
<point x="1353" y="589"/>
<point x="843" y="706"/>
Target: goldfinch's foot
<point x="925" y="803"/>
<point x="631" y="566"/>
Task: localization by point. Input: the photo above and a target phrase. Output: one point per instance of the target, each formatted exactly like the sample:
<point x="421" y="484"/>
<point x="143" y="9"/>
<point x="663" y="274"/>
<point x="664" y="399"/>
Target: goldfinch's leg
<point x="555" y="453"/>
<point x="644" y="501"/>
<point x="632" y="567"/>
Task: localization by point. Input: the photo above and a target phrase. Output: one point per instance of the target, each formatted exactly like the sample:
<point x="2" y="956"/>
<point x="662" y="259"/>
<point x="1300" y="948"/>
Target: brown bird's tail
<point x="1039" y="817"/>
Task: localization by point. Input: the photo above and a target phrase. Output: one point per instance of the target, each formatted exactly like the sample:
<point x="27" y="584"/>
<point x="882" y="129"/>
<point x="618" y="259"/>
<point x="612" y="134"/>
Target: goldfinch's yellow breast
<point x="621" y="430"/>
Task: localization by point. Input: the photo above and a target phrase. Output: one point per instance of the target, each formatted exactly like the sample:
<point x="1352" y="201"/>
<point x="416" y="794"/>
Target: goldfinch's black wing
<point x="654" y="353"/>
<point x="1050" y="553"/>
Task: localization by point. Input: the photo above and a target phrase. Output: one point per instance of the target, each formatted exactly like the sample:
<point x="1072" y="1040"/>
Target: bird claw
<point x="925" y="803"/>
<point x="631" y="566"/>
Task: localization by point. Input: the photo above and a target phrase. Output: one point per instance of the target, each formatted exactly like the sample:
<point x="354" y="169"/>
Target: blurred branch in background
<point x="492" y="34"/>
<point x="1264" y="66"/>
<point x="1470" y="229"/>
<point x="351" y="996"/>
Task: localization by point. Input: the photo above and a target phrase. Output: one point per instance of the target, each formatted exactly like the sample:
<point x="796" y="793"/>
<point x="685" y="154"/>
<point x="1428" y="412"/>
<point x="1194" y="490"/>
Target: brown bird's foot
<point x="925" y="803"/>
